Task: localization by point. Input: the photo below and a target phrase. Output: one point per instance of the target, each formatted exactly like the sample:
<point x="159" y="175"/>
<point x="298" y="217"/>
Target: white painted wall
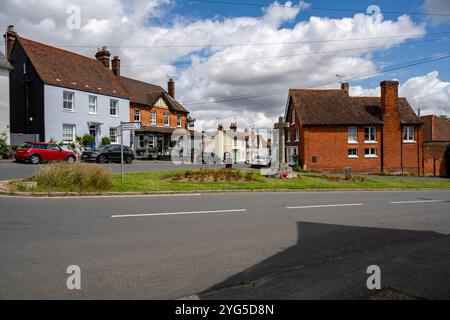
<point x="55" y="116"/>
<point x="4" y="103"/>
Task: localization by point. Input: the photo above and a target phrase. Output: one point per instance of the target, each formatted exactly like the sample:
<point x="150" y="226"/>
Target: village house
<point x="436" y="140"/>
<point x="5" y="68"/>
<point x="331" y="131"/>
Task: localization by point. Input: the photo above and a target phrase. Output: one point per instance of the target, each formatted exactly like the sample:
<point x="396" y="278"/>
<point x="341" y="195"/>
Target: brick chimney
<point x="220" y="127"/>
<point x="10" y="37"/>
<point x="233" y="126"/>
<point x="392" y="131"/>
<point x="345" y="87"/>
<point x="171" y="88"/>
<point x="116" y="66"/>
<point x="103" y="56"/>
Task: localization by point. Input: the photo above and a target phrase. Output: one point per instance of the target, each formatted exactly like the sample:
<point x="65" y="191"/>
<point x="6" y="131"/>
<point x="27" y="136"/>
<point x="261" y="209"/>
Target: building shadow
<point x="331" y="261"/>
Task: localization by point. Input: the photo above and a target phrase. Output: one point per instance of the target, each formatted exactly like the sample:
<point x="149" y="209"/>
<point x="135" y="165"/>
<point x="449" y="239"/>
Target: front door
<point x="93" y="132"/>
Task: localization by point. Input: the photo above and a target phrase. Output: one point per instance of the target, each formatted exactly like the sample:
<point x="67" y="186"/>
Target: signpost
<point x="126" y="126"/>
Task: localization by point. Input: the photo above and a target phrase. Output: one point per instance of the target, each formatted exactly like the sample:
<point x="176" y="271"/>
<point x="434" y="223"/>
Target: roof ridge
<point x="143" y="82"/>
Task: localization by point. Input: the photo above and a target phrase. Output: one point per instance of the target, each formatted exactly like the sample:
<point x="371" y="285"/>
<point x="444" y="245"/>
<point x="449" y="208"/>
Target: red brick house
<point x="436" y="139"/>
<point x="331" y="131"/>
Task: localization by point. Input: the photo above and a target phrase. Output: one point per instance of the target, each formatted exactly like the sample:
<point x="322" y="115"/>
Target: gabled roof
<point x="435" y="129"/>
<point x="71" y="70"/>
<point x="148" y="94"/>
<point x="4" y="63"/>
<point x="336" y="107"/>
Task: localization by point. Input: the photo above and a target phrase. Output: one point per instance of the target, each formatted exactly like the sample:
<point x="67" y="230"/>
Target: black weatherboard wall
<point x="26" y="96"/>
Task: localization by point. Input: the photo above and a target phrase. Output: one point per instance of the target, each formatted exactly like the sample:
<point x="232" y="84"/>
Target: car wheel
<point x="102" y="159"/>
<point x="129" y="160"/>
<point x="71" y="159"/>
<point x="34" y="159"/>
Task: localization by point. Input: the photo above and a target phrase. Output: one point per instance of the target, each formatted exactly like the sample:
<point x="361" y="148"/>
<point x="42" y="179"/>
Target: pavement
<point x="227" y="246"/>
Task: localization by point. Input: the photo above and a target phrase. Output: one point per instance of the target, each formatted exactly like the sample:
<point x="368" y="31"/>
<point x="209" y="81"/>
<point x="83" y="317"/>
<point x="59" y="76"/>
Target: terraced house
<point x="331" y="131"/>
<point x="58" y="95"/>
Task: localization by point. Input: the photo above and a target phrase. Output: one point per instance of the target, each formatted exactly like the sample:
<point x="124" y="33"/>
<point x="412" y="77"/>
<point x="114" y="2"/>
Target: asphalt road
<point x="222" y="246"/>
<point x="10" y="170"/>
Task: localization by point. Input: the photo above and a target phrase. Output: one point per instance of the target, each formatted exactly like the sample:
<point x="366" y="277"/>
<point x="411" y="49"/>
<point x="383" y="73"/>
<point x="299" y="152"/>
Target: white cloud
<point x="427" y="92"/>
<point x="438" y="7"/>
<point x="128" y="26"/>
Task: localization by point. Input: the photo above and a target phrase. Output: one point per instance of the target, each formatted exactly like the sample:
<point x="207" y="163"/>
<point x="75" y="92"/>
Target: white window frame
<point x="93" y="104"/>
<point x="65" y="134"/>
<point x="294" y="115"/>
<point x="297" y="135"/>
<point x="371" y="154"/>
<point x="153" y="118"/>
<point x="372" y="131"/>
<point x="288" y="135"/>
<point x="116" y="115"/>
<point x="408" y="130"/>
<point x="137" y="115"/>
<point x="179" y="121"/>
<point x="114" y="137"/>
<point x="351" y="156"/>
<point x="67" y="101"/>
<point x="353" y="135"/>
<point x="166" y="120"/>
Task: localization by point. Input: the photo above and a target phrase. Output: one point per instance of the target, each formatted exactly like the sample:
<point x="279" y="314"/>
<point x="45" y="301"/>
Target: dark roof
<point x="156" y="129"/>
<point x="4" y="63"/>
<point x="70" y="70"/>
<point x="147" y="94"/>
<point x="336" y="107"/>
<point x="435" y="129"/>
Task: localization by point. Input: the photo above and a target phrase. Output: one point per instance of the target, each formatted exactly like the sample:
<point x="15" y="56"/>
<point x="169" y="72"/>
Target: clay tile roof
<point x="435" y="129"/>
<point x="4" y="63"/>
<point x="329" y="107"/>
<point x="336" y="107"/>
<point x="147" y="94"/>
<point x="71" y="70"/>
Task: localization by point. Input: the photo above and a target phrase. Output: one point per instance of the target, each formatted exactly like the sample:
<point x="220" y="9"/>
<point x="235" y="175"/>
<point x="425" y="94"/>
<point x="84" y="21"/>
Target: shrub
<point x="87" y="140"/>
<point x="5" y="150"/>
<point x="74" y="177"/>
<point x="106" y="141"/>
<point x="212" y="175"/>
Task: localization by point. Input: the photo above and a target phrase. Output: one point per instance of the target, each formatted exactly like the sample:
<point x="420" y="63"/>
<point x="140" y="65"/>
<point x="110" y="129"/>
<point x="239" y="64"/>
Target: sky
<point x="236" y="60"/>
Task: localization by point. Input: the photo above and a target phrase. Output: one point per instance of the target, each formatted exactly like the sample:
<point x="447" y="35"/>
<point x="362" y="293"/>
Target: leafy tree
<point x="445" y="117"/>
<point x="87" y="140"/>
<point x="106" y="141"/>
<point x="5" y="150"/>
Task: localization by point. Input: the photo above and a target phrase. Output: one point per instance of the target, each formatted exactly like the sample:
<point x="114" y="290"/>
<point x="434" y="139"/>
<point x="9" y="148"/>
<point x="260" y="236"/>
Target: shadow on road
<point x="330" y="262"/>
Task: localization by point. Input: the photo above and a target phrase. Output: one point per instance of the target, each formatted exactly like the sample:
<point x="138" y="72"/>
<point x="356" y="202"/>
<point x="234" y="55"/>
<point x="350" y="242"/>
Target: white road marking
<point x="327" y="206"/>
<point x="418" y="201"/>
<point x="177" y="213"/>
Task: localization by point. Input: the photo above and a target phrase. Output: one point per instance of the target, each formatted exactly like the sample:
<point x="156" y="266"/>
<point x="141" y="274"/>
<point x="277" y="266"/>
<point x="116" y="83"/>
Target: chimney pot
<point x="116" y="66"/>
<point x="171" y="88"/>
<point x="103" y="56"/>
<point x="346" y="87"/>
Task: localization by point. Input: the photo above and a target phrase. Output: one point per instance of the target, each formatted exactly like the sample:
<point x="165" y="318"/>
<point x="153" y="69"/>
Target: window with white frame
<point x="137" y="115"/>
<point x="288" y="135"/>
<point x="293" y="116"/>
<point x="114" y="108"/>
<point x="69" y="132"/>
<point x="68" y="101"/>
<point x="370" y="134"/>
<point x="166" y="119"/>
<point x="297" y="135"/>
<point x="92" y="104"/>
<point x="408" y="134"/>
<point x="153" y="118"/>
<point x="353" y="153"/>
<point x="352" y="135"/>
<point x="371" y="153"/>
<point x="151" y="141"/>
<point x="113" y="135"/>
<point x="179" y="121"/>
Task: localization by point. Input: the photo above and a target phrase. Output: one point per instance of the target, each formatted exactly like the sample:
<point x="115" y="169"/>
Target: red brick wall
<point x="146" y="116"/>
<point x="434" y="161"/>
<point x="411" y="154"/>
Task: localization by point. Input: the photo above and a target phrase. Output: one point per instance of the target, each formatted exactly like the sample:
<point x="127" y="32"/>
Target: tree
<point x="445" y="117"/>
<point x="5" y="150"/>
<point x="106" y="141"/>
<point x="87" y="140"/>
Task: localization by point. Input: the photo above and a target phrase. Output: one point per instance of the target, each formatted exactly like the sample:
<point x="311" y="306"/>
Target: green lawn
<point x="157" y="181"/>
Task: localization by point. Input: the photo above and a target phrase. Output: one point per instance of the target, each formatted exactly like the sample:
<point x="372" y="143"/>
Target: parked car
<point x="39" y="152"/>
<point x="111" y="153"/>
<point x="261" y="161"/>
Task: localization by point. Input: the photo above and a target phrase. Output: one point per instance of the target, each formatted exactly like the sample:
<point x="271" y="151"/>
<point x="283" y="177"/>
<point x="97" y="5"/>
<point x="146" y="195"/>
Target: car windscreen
<point x="26" y="145"/>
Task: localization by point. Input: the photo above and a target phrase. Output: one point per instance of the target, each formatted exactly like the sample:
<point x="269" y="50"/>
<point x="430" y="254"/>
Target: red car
<point x="38" y="152"/>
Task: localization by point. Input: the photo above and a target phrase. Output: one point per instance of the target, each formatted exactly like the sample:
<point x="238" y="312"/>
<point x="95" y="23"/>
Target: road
<point x="10" y="170"/>
<point x="222" y="246"/>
